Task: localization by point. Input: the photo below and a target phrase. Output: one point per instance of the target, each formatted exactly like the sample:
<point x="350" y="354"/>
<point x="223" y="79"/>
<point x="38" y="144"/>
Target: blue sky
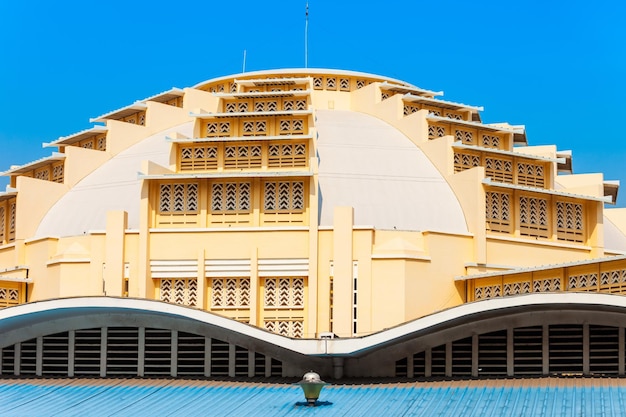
<point x="557" y="67"/>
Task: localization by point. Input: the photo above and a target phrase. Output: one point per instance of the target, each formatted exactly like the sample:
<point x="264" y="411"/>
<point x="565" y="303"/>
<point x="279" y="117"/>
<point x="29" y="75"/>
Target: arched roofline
<point x="304" y="72"/>
<point x="38" y="315"/>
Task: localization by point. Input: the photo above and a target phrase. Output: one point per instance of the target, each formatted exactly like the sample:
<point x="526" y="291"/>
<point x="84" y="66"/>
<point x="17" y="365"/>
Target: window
<point x="498" y="211"/>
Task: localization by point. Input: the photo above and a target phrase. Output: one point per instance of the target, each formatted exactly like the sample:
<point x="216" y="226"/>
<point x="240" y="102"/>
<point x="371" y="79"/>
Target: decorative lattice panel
<point x="464" y="136"/>
<point x="217" y="129"/>
<point x="515" y="288"/>
<point x="570" y="221"/>
<point x="453" y="116"/>
<point x="58" y="173"/>
<point x="499" y="169"/>
<point x="287" y="155"/>
<point x="3" y="222"/>
<point x="285" y="327"/>
<point x="198" y="157"/>
<point x="489" y="291"/>
<point x="12" y="210"/>
<point x="547" y="285"/>
<point x="435" y="131"/>
<point x="9" y="296"/>
<point x="230" y="293"/>
<point x="583" y="282"/>
<point x="491" y="141"/>
<point x="464" y="160"/>
<point x="43" y="174"/>
<point x="253" y="127"/>
<point x="243" y="156"/>
<point x="534" y="217"/>
<point x="532" y="175"/>
<point x="410" y="109"/>
<point x="284" y="196"/>
<point x="292" y="126"/>
<point x="230" y="196"/>
<point x="498" y="211"/>
<point x="183" y="291"/>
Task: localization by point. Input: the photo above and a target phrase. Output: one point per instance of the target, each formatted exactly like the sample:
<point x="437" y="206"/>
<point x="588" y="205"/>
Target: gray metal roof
<point x="166" y="397"/>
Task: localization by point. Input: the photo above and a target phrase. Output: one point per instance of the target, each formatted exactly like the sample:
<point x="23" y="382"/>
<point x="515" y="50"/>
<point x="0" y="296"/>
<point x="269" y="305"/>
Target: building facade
<point x="308" y="217"/>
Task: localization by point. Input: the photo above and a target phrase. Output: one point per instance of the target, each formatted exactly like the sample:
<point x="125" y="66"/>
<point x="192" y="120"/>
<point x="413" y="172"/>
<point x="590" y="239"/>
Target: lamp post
<point x="311" y="385"/>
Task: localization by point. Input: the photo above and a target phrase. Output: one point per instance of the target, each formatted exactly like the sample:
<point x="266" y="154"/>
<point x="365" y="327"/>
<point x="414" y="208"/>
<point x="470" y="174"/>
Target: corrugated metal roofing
<point x="536" y="398"/>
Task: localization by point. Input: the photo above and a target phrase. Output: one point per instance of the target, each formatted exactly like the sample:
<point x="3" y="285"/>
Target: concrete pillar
<point x="114" y="253"/>
<point x="144" y="284"/>
<point x="510" y="352"/>
<point x="268" y="367"/>
<point x="338" y="365"/>
<point x="620" y="351"/>
<point x="174" y="354"/>
<point x="103" y="352"/>
<point x="39" y="357"/>
<point x="342" y="267"/>
<point x="474" y="355"/>
<point x="207" y="356"/>
<point x="410" y="367"/>
<point x="71" y="352"/>
<point x="232" y="356"/>
<point x="141" y="351"/>
<point x="17" y="359"/>
<point x="428" y="363"/>
<point x="545" y="349"/>
<point x="251" y="363"/>
<point x="586" y="367"/>
<point x="449" y="359"/>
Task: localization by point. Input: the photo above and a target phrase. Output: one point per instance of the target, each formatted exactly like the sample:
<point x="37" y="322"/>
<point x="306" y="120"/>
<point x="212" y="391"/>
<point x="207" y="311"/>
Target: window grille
<point x="254" y="128"/>
<point x="283" y="301"/>
<point x="409" y="108"/>
<point x="344" y="84"/>
<point x="12" y="210"/>
<point x="291" y="126"/>
<point x="331" y="83"/>
<point x="534" y="217"/>
<point x="217" y="129"/>
<point x="454" y="116"/>
<point x="9" y="296"/>
<point x="490" y="141"/>
<point x="435" y="131"/>
<point x="178" y="204"/>
<point x="2" y="225"/>
<point x="498" y="211"/>
<point x="317" y="83"/>
<point x="570" y="221"/>
<point x="43" y="174"/>
<point x="463" y="161"/>
<point x="231" y="197"/>
<point x="287" y="155"/>
<point x="530" y="174"/>
<point x="499" y="169"/>
<point x="230" y="293"/>
<point x="57" y="173"/>
<point x="284" y="196"/>
<point x="198" y="157"/>
<point x="101" y="143"/>
<point x="87" y="144"/>
<point x="183" y="291"/>
<point x="242" y="156"/>
<point x="465" y="137"/>
<point x="360" y="84"/>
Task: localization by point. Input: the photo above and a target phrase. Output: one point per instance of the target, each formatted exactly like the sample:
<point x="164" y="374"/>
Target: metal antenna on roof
<point x="244" y="61"/>
<point x="306" y="36"/>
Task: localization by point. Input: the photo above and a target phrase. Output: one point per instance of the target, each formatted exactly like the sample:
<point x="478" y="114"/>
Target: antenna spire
<point x="306" y="36"/>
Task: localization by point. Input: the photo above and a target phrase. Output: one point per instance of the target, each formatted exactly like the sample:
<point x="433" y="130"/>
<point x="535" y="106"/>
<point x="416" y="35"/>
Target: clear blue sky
<point x="557" y="67"/>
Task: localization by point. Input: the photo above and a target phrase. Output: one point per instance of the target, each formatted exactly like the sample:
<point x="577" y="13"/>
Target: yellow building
<point x="265" y="223"/>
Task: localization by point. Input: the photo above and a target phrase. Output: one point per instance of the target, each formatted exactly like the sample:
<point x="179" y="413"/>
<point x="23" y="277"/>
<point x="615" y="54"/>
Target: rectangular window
<point x="12" y="214"/>
<point x="570" y="222"/>
<point x="283" y="305"/>
<point x="534" y="218"/>
<point x="57" y="172"/>
<point x="464" y="160"/>
<point x="499" y="169"/>
<point x="198" y="157"/>
<point x="287" y="155"/>
<point x="178" y="204"/>
<point x="532" y="175"/>
<point x="183" y="291"/>
<point x="498" y="211"/>
<point x="242" y="156"/>
<point x="291" y="126"/>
